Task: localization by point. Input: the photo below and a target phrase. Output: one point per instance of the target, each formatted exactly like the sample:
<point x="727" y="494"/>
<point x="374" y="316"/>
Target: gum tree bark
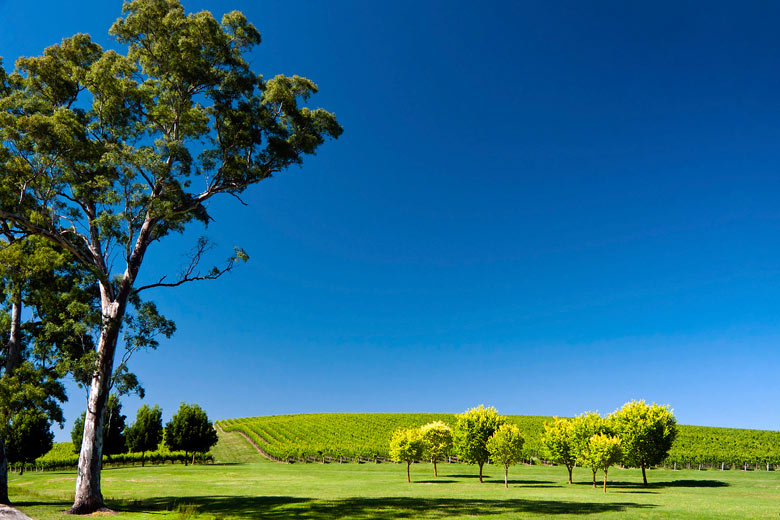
<point x="13" y="351"/>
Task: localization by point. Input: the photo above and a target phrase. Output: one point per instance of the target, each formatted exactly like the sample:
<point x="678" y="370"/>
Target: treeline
<point x="186" y="438"/>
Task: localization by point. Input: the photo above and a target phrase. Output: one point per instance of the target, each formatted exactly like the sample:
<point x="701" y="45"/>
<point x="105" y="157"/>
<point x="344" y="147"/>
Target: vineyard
<point x="347" y="437"/>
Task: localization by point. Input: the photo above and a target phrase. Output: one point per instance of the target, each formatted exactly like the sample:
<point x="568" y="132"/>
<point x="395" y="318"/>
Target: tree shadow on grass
<point x="382" y="508"/>
<point x="526" y="483"/>
<point x="671" y="483"/>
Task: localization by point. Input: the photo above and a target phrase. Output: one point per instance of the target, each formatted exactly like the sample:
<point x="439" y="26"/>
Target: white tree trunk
<point x="88" y="495"/>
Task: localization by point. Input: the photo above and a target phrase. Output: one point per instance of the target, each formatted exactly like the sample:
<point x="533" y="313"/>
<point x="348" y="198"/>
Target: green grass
<point x="379" y="491"/>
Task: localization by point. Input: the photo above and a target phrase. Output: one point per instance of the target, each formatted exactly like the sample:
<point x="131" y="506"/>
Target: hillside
<point x="346" y="436"/>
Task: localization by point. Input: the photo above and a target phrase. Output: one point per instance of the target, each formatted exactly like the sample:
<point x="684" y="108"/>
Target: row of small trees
<point x="636" y="435"/>
<point x="480" y="434"/>
<point x="189" y="430"/>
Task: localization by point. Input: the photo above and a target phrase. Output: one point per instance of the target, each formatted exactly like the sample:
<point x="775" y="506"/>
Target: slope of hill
<point x="346" y="436"/>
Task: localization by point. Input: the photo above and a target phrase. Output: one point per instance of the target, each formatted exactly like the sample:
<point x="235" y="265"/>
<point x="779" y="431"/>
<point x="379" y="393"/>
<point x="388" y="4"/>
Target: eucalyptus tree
<point x="108" y="154"/>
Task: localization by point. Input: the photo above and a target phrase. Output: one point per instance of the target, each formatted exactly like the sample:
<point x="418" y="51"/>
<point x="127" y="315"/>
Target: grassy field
<point x="255" y="488"/>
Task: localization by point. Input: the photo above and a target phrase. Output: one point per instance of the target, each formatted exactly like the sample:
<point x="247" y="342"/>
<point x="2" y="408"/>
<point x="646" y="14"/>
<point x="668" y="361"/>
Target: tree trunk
<point x="435" y="471"/>
<point x="12" y="352"/>
<point x="14" y="347"/>
<point x="480" y="472"/>
<point x="143" y="453"/>
<point x="605" y="481"/>
<point x="594" y="479"/>
<point x="3" y="475"/>
<point x="408" y="476"/>
<point x="193" y="458"/>
<point x="570" y="468"/>
<point x="644" y="474"/>
<point x="88" y="495"/>
<point x="506" y="476"/>
<point x="21" y="469"/>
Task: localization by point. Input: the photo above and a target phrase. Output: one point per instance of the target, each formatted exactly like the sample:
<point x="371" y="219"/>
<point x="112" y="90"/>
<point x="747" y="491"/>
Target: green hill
<point x="346" y="436"/>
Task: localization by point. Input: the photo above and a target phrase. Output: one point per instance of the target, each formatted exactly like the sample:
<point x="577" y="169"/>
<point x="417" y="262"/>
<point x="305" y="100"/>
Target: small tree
<point x="558" y="443"/>
<point x="190" y="431"/>
<point x="647" y="433"/>
<point x="146" y="433"/>
<point x="437" y="441"/>
<point x="472" y="431"/>
<point x="585" y="426"/>
<point x="30" y="437"/>
<point x="603" y="451"/>
<point x="506" y="447"/>
<point x="406" y="445"/>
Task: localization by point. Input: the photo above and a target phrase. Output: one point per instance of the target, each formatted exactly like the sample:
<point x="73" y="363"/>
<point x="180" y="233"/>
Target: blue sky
<point x="548" y="207"/>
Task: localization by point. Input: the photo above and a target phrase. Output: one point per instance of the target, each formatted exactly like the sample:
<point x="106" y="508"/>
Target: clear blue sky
<point x="548" y="207"/>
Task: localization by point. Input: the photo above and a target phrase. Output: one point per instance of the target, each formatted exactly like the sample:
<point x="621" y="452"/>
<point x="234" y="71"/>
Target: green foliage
<point x="30" y="437"/>
<point x="472" y="431"/>
<point x="406" y="445"/>
<point x="62" y="456"/>
<point x="506" y="447"/>
<point x="603" y="452"/>
<point x="647" y="432"/>
<point x="437" y="439"/>
<point x="77" y="433"/>
<point x="190" y="430"/>
<point x="585" y="426"/>
<point x="147" y="431"/>
<point x="558" y="443"/>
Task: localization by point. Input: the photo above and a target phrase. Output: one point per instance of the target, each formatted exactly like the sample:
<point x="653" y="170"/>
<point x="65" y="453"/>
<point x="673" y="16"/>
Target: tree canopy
<point x="406" y="445"/>
<point x="437" y="441"/>
<point x="506" y="447"/>
<point x="190" y="430"/>
<point x="145" y="434"/>
<point x="472" y="430"/>
<point x="647" y="433"/>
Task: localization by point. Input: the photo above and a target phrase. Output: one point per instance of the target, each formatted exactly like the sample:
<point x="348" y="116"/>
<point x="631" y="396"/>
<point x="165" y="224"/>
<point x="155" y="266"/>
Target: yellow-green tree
<point x="471" y="433"/>
<point x="406" y="445"/>
<point x="506" y="446"/>
<point x="558" y="443"/>
<point x="437" y="441"/>
<point x="603" y="452"/>
<point x="647" y="432"/>
<point x="585" y="426"/>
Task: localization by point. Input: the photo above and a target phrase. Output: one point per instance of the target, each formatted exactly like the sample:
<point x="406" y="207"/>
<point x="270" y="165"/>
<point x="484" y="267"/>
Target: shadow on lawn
<point x="277" y="507"/>
<point x="670" y="484"/>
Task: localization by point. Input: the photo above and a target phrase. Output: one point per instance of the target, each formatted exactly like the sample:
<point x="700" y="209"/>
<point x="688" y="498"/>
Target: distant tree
<point x="603" y="452"/>
<point x="506" y="446"/>
<point x="437" y="441"/>
<point x="114" y="432"/>
<point x="113" y="429"/>
<point x="585" y="426"/>
<point x="647" y="433"/>
<point x="190" y="431"/>
<point x="558" y="443"/>
<point x="146" y="432"/>
<point x="472" y="430"/>
<point x="406" y="445"/>
<point x="77" y="433"/>
<point x="30" y="437"/>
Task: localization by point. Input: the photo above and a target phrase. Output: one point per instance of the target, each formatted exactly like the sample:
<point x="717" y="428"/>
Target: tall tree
<point x="647" y="433"/>
<point x="107" y="154"/>
<point x="145" y="434"/>
<point x="472" y="430"/>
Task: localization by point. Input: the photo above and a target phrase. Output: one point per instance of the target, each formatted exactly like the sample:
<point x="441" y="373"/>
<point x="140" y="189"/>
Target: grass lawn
<point x="253" y="488"/>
